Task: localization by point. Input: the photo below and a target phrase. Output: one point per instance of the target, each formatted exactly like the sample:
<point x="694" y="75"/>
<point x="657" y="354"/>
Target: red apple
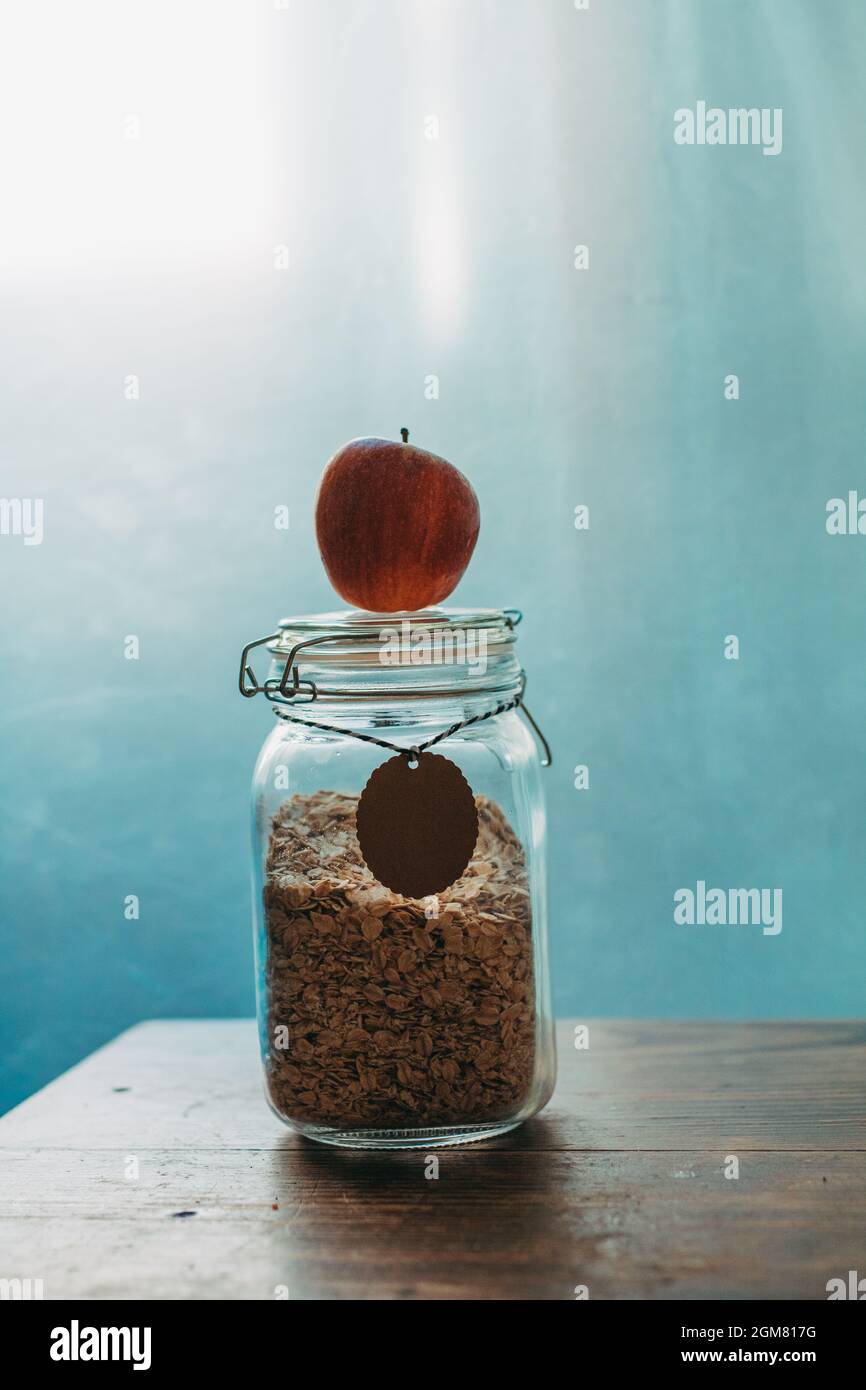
<point x="396" y="525"/>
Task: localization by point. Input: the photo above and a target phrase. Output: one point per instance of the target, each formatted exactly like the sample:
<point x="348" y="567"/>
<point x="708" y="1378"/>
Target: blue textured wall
<point x="408" y="257"/>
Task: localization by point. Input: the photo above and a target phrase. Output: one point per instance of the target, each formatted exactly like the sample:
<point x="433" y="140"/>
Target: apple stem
<point x="404" y="433"/>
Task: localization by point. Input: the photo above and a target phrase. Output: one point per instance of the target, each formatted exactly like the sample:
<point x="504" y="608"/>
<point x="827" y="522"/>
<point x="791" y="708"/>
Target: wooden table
<point x="155" y="1170"/>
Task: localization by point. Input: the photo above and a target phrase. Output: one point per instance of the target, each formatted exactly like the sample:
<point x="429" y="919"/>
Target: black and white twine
<point x="413" y="753"/>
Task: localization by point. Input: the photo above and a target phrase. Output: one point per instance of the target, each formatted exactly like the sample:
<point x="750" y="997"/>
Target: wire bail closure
<point x="291" y="687"/>
<point x="272" y="688"/>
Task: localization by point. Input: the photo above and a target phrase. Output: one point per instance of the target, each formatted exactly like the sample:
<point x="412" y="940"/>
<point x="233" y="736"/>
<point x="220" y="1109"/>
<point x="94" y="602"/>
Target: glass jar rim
<point x="434" y="652"/>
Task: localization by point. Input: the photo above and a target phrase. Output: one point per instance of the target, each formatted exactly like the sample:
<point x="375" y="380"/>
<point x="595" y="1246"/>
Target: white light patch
<point x="432" y="52"/>
<point x="127" y="126"/>
<point x="441" y="260"/>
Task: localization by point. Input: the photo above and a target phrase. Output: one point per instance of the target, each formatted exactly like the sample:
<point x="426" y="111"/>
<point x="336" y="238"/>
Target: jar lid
<point x="353" y="654"/>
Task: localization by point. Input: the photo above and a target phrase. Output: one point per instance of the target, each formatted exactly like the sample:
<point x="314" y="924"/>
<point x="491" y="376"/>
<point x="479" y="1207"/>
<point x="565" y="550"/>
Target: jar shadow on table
<point x="474" y="1221"/>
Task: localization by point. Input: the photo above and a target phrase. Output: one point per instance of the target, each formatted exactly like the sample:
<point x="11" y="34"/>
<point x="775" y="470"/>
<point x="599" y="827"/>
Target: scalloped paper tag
<point x="417" y="825"/>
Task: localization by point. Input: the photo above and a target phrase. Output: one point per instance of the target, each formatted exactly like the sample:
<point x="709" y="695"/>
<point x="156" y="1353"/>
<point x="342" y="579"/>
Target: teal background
<point x="454" y="257"/>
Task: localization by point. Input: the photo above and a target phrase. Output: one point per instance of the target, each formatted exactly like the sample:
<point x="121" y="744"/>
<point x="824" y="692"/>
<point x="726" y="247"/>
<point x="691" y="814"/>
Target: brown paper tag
<point x="417" y="826"/>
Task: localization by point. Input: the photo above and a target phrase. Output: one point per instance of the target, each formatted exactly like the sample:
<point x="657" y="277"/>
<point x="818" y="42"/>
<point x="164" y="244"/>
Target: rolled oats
<point x="396" y="1018"/>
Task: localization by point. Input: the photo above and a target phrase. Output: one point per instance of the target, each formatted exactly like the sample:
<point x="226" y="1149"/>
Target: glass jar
<point x="388" y="1021"/>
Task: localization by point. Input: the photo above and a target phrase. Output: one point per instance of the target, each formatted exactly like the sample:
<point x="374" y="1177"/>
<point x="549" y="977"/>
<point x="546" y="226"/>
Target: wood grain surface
<point x="155" y="1170"/>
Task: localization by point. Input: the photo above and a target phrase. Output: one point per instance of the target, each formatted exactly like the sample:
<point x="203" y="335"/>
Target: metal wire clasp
<point x="547" y="758"/>
<point x="249" y="685"/>
<point x="290" y="685"/>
